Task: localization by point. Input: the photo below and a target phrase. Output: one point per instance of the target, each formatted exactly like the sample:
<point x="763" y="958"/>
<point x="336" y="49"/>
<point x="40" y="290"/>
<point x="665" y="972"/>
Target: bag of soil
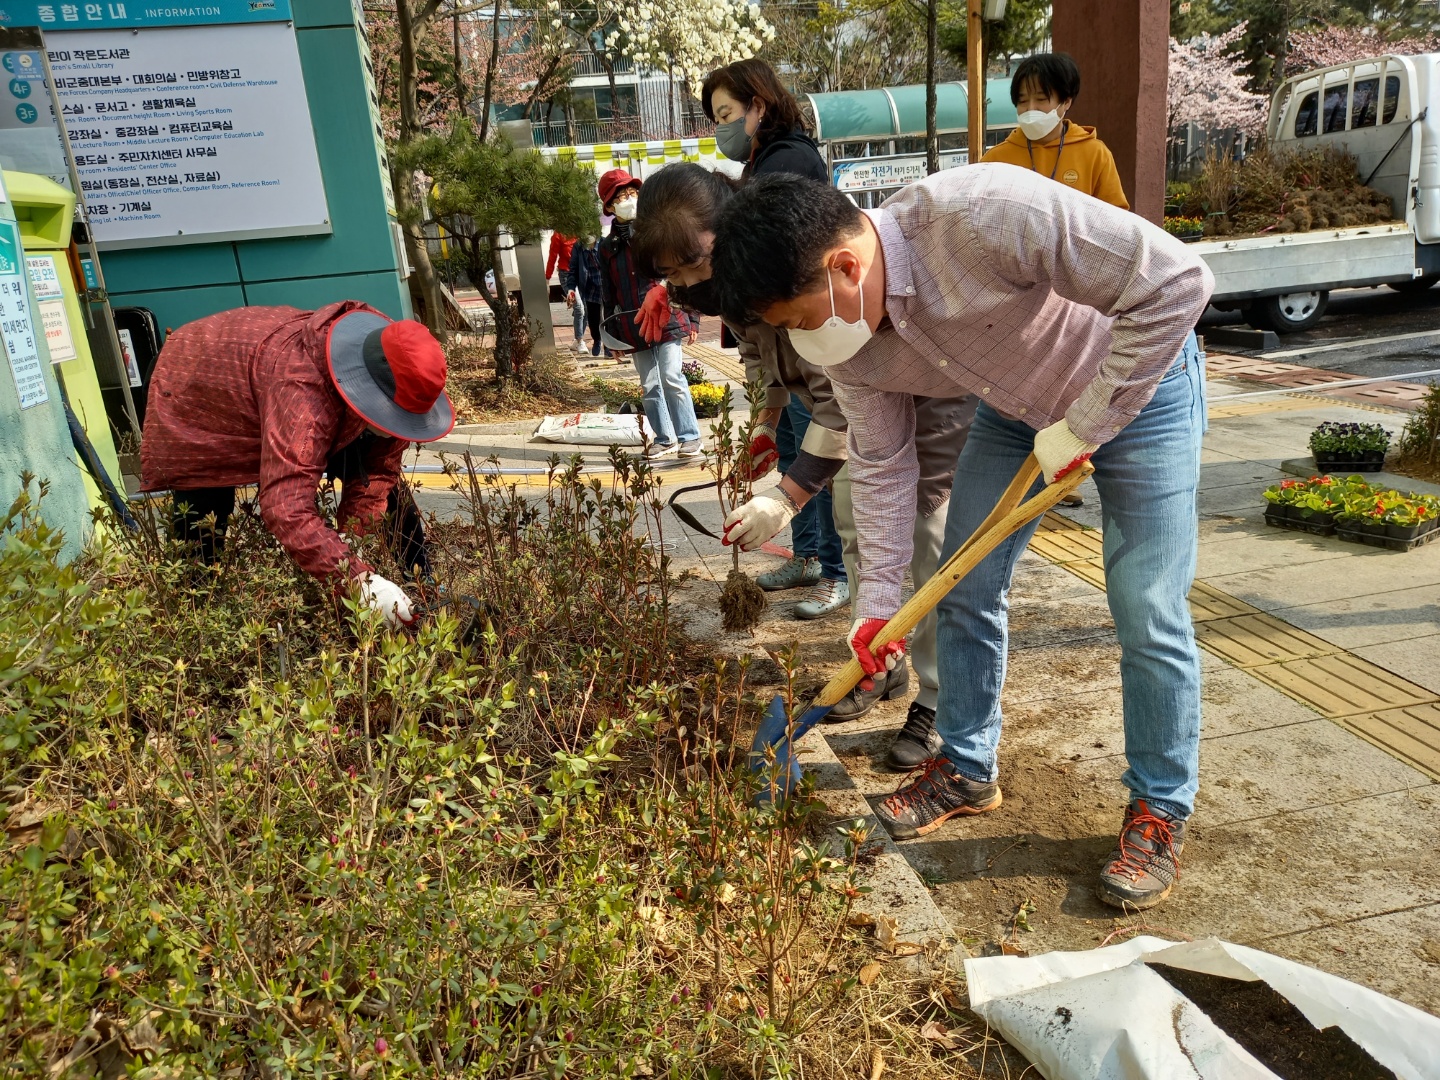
<point x="1126" y="1013"/>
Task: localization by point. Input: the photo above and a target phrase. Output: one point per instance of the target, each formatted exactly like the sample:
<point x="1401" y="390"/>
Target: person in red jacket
<point x="279" y="397"/>
<point x="561" y="248"/>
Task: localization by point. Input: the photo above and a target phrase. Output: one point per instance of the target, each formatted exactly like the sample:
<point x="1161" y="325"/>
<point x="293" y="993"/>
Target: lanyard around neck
<point x="1030" y="148"/>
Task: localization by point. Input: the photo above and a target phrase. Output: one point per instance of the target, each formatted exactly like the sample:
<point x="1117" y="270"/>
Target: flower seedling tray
<point x="1390" y="537"/>
<point x="1287" y="517"/>
<point x="1373" y="461"/>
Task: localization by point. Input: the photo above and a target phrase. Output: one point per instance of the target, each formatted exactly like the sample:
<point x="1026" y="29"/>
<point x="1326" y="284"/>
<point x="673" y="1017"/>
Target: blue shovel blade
<point x="777" y="730"/>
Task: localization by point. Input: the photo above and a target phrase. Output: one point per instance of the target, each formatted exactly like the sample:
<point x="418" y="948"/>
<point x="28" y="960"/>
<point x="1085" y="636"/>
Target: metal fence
<point x="622" y="129"/>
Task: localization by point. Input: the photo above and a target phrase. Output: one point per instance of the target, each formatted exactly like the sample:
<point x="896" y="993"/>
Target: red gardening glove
<point x="885" y="658"/>
<point x="763" y="453"/>
<point x="654" y="314"/>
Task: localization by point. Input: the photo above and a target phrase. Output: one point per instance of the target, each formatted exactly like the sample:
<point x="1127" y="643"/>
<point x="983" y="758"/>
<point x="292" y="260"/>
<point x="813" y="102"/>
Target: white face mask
<point x="835" y="340"/>
<point x="1037" y="125"/>
<point x="625" y="210"/>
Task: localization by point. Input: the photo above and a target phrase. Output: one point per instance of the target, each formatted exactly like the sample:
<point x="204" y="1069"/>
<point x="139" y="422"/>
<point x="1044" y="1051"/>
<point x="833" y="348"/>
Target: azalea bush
<point x="1333" y="438"/>
<point x="251" y="832"/>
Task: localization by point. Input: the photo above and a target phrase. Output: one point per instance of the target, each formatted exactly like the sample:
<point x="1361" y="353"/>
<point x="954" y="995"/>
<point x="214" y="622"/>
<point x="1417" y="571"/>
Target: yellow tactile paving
<point x="1342" y="685"/>
<point x="727" y="366"/>
<point x="1400" y="717"/>
<point x="1208" y="602"/>
<point x="669" y="481"/>
<point x="1257" y="406"/>
<point x="1250" y="641"/>
<point x="1411" y="734"/>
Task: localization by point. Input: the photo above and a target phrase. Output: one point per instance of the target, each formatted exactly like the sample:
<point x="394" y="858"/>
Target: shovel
<point x="778" y="732"/>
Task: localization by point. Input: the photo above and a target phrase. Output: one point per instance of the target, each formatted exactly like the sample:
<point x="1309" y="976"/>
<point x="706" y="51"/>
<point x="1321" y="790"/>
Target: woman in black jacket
<point x="758" y="121"/>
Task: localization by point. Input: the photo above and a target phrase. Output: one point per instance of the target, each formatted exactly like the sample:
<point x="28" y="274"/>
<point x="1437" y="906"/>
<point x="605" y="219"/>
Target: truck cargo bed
<point x="1272" y="264"/>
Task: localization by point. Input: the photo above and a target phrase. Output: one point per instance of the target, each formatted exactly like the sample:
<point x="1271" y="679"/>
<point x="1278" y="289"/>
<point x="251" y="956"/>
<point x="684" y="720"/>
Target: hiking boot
<point x="828" y="595"/>
<point x="857" y="702"/>
<point x="917" y="742"/>
<point x="791" y="574"/>
<point x="692" y="449"/>
<point x="938" y="794"/>
<point x="1145" y="864"/>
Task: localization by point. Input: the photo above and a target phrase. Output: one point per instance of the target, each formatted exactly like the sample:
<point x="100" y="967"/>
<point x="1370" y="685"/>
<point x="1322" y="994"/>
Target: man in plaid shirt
<point x="1072" y="321"/>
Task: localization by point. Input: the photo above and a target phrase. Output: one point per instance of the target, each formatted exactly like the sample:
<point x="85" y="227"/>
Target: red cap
<point x="612" y="182"/>
<point x="417" y="362"/>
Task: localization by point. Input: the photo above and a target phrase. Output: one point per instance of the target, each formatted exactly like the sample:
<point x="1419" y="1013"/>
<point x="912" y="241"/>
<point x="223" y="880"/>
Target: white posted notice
<point x="50" y="301"/>
<point x="190" y="133"/>
<point x="16" y="330"/>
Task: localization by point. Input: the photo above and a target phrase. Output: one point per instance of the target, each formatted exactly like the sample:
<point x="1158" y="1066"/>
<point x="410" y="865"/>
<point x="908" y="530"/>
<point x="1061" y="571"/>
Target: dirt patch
<point x="1417" y="468"/>
<point x="544" y="385"/>
<point x="1274" y="1030"/>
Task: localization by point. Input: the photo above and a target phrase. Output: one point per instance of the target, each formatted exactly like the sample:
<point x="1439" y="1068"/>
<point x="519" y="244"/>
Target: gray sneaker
<point x="1145" y="864"/>
<point x="828" y="595"/>
<point x="791" y="575"/>
<point x="692" y="449"/>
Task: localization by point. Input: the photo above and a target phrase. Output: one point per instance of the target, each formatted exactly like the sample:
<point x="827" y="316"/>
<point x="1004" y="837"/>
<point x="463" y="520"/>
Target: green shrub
<point x="1420" y="441"/>
<point x="616" y="393"/>
<point x="253" y="833"/>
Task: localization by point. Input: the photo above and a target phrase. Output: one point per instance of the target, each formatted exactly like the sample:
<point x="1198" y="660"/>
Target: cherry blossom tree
<point x="1207" y="86"/>
<point x="1310" y="49"/>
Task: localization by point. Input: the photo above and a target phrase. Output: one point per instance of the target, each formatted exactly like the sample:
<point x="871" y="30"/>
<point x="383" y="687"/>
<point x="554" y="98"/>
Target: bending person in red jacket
<point x="280" y="397"/>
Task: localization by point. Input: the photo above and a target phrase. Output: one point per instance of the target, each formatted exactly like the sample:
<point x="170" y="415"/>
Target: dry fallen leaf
<point x="859" y="920"/>
<point x="877" y="1064"/>
<point x="869" y="973"/>
<point x="906" y="948"/>
<point x="938" y="1033"/>
<point x="1007" y="949"/>
<point x="885" y="930"/>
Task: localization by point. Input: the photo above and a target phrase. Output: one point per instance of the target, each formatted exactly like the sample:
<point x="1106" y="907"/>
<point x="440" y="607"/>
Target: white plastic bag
<point x="1104" y="1015"/>
<point x="596" y="429"/>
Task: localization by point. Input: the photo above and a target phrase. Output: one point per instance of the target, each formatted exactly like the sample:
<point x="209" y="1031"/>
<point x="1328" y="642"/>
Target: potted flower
<point x="1358" y="446"/>
<point x="1409" y="519"/>
<point x="1187" y="229"/>
<point x="1279" y="498"/>
<point x="694" y="372"/>
<point x="708" y="397"/>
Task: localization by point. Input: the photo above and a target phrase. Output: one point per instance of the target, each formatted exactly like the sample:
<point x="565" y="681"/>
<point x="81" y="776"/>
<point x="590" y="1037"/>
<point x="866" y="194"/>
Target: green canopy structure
<point x="897" y="112"/>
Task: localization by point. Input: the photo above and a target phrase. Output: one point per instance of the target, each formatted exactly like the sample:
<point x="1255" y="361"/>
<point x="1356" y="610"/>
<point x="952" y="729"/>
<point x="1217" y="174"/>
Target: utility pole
<point x="975" y="98"/>
<point x="932" y="136"/>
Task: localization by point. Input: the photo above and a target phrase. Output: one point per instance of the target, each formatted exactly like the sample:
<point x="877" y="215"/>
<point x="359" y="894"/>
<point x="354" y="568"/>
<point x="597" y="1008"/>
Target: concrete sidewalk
<point x="1318" y="819"/>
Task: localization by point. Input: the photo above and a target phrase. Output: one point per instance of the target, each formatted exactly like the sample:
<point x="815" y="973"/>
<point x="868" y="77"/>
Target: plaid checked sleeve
<point x="884" y="476"/>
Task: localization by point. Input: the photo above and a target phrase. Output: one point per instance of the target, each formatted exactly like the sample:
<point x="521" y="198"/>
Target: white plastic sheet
<point x="1104" y="1015"/>
<point x="596" y="429"/>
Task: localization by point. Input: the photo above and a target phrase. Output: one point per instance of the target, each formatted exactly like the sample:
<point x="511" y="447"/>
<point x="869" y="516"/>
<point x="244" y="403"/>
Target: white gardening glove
<point x="1058" y="450"/>
<point x="384" y="596"/>
<point x="751" y="524"/>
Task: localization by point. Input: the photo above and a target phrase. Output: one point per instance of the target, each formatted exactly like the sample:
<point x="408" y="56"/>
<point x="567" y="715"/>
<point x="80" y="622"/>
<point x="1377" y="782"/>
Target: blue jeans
<point x="577" y="310"/>
<point x="1147" y="477"/>
<point x="667" y="396"/>
<point x="812" y="531"/>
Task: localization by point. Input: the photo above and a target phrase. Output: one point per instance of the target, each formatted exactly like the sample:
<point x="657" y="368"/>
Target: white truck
<point x="1380" y="110"/>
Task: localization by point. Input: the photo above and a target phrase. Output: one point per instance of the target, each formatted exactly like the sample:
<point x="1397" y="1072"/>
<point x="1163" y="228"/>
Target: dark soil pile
<point x="1272" y="1029"/>
<point x="741" y="602"/>
<point x="1289" y="192"/>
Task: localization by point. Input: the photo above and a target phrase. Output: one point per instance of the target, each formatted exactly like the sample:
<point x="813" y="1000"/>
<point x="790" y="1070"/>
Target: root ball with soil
<point x="741" y="602"/>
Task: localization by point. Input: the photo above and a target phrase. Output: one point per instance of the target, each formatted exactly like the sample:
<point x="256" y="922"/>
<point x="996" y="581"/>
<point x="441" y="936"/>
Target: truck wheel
<point x="1289" y="313"/>
<point x="1415" y="285"/>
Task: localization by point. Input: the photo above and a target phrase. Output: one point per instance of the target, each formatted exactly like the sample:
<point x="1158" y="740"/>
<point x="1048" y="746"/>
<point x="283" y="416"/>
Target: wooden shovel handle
<point x="1009" y="515"/>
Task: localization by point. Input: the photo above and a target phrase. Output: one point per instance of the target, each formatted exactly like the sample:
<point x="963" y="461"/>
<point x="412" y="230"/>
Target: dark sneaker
<point x="1145" y="864"/>
<point x="1073" y="500"/>
<point x="917" y="742"/>
<point x="857" y="702"/>
<point x="938" y="794"/>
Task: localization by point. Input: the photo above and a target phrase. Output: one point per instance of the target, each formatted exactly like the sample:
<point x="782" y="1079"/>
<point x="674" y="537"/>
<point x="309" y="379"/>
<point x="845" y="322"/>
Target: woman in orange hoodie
<point x="1043" y="89"/>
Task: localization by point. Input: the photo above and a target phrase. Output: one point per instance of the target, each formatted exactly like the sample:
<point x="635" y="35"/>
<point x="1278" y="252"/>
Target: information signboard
<point x="16" y="330"/>
<point x="881" y="173"/>
<point x="50" y="306"/>
<point x="186" y="123"/>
